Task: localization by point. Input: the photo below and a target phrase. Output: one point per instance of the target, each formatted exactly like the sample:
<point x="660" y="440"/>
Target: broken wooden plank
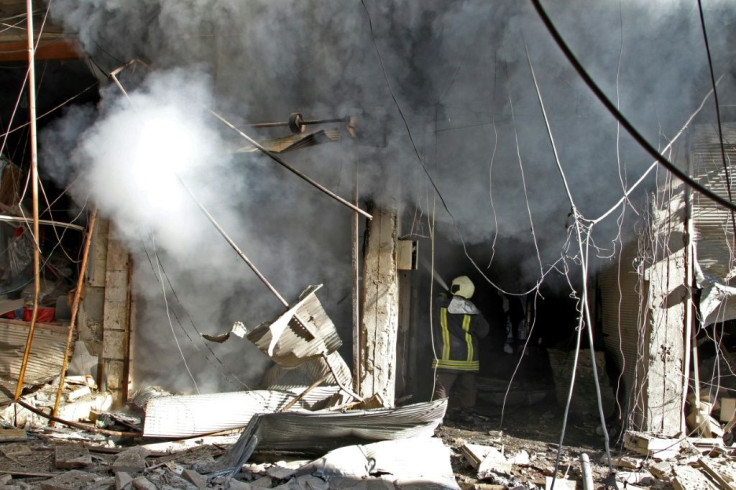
<point x="710" y="469"/>
<point x="13" y="435"/>
<point x="688" y="478"/>
<point x="474" y="453"/>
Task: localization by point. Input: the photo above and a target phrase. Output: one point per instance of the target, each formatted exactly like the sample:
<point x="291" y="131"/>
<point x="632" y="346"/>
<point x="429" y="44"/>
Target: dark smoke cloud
<point x="447" y="81"/>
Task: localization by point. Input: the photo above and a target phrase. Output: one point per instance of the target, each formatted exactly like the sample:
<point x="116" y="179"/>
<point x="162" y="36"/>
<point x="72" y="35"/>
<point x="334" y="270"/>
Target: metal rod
<point x="75" y="308"/>
<point x="34" y="179"/>
<point x="289" y="167"/>
<point x="89" y="428"/>
<point x="207" y="213"/>
<point x="21" y="219"/>
<point x="232" y="244"/>
<point x="301" y="395"/>
<point x="128" y="331"/>
<point x="337" y="379"/>
<point x="305" y="123"/>
<point x="355" y="228"/>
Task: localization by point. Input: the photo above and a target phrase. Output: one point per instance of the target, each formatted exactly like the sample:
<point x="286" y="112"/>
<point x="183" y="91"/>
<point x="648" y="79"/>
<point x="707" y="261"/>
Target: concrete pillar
<point x="116" y="320"/>
<point x="379" y="325"/>
<point x="664" y="351"/>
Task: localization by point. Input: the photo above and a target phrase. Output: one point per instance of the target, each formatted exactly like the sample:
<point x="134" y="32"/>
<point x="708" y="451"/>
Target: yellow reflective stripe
<point x="456" y="365"/>
<point x="445" y="334"/>
<point x="468" y="338"/>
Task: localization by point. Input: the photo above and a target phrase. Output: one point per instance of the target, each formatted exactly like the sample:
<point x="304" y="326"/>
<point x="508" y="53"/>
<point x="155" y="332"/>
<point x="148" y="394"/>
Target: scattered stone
<point x="309" y="482"/>
<point x="263" y="482"/>
<point x="131" y="460"/>
<point x="280" y="471"/>
<point x="200" y="481"/>
<point x="560" y="484"/>
<point x="493" y="462"/>
<point x="521" y="458"/>
<point x="238" y="485"/>
<point x="70" y="480"/>
<point x="627" y="462"/>
<point x="143" y="483"/>
<point x="289" y="485"/>
<point x="70" y="457"/>
<point x="688" y="478"/>
<point x="123" y="481"/>
<point x="15" y="451"/>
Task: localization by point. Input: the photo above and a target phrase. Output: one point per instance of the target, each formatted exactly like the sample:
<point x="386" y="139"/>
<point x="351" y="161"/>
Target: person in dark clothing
<point x="515" y="318"/>
<point x="457" y="326"/>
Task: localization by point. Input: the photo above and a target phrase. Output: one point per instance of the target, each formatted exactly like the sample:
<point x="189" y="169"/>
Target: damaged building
<point x="227" y="225"/>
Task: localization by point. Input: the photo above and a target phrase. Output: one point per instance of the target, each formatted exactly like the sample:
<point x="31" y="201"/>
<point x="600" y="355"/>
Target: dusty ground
<point x="535" y="430"/>
<point x="60" y="459"/>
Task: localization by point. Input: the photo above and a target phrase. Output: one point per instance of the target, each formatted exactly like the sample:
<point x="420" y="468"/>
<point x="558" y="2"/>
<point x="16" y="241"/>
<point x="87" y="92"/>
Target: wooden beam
<point x="57" y="49"/>
<point x="379" y="325"/>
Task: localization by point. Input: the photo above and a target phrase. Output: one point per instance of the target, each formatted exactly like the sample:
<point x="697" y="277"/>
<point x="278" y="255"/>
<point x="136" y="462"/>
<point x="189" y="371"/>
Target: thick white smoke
<point x="449" y="81"/>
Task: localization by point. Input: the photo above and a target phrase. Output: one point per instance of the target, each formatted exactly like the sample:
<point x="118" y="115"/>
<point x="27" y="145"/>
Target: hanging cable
<point x="726" y="173"/>
<point x="168" y="315"/>
<point x="621" y="119"/>
<point x="583" y="236"/>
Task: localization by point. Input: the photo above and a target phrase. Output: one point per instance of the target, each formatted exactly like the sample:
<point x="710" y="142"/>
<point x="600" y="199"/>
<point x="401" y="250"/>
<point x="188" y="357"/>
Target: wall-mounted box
<point x="407" y="256"/>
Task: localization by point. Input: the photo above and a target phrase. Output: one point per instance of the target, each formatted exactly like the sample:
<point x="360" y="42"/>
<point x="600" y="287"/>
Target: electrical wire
<point x="220" y="365"/>
<point x="168" y="315"/>
<point x="583" y="236"/>
<point x="718" y="113"/>
<point x="621" y="119"/>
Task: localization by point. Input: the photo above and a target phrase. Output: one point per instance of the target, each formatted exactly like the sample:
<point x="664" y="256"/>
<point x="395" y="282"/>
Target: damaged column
<point x="380" y="296"/>
<point x="114" y="360"/>
<point x="664" y="343"/>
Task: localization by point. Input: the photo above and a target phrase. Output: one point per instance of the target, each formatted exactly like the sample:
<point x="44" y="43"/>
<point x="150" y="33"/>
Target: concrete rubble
<point x="280" y="452"/>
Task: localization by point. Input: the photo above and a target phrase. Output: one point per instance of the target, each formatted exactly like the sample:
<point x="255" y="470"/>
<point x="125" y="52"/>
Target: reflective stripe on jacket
<point x="457" y="340"/>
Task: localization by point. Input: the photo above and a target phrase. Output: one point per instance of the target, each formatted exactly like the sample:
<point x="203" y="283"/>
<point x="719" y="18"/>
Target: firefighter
<point x="457" y="325"/>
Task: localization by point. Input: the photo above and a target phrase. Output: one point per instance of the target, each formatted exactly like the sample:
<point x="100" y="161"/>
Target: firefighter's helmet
<point x="462" y="286"/>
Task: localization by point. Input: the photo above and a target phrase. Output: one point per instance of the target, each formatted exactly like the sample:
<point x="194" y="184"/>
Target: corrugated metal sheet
<point x="45" y="359"/>
<point x="317" y="432"/>
<point x="192" y="415"/>
<point x="712" y="225"/>
<point x="303" y="332"/>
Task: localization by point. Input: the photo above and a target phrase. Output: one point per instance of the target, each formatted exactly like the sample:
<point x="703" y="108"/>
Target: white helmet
<point x="462" y="286"/>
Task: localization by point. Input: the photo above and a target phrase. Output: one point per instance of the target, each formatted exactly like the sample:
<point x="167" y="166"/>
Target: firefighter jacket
<point x="457" y="327"/>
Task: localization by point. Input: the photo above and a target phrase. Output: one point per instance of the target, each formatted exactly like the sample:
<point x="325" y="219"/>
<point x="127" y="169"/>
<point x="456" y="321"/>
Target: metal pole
<point x="34" y="186"/>
<point x="355" y="225"/>
<point x="75" y="308"/>
<point x="305" y="123"/>
<point x="587" y="473"/>
<point x="233" y="245"/>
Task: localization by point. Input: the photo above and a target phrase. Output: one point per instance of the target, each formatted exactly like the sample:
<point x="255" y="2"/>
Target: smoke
<point x="444" y="98"/>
